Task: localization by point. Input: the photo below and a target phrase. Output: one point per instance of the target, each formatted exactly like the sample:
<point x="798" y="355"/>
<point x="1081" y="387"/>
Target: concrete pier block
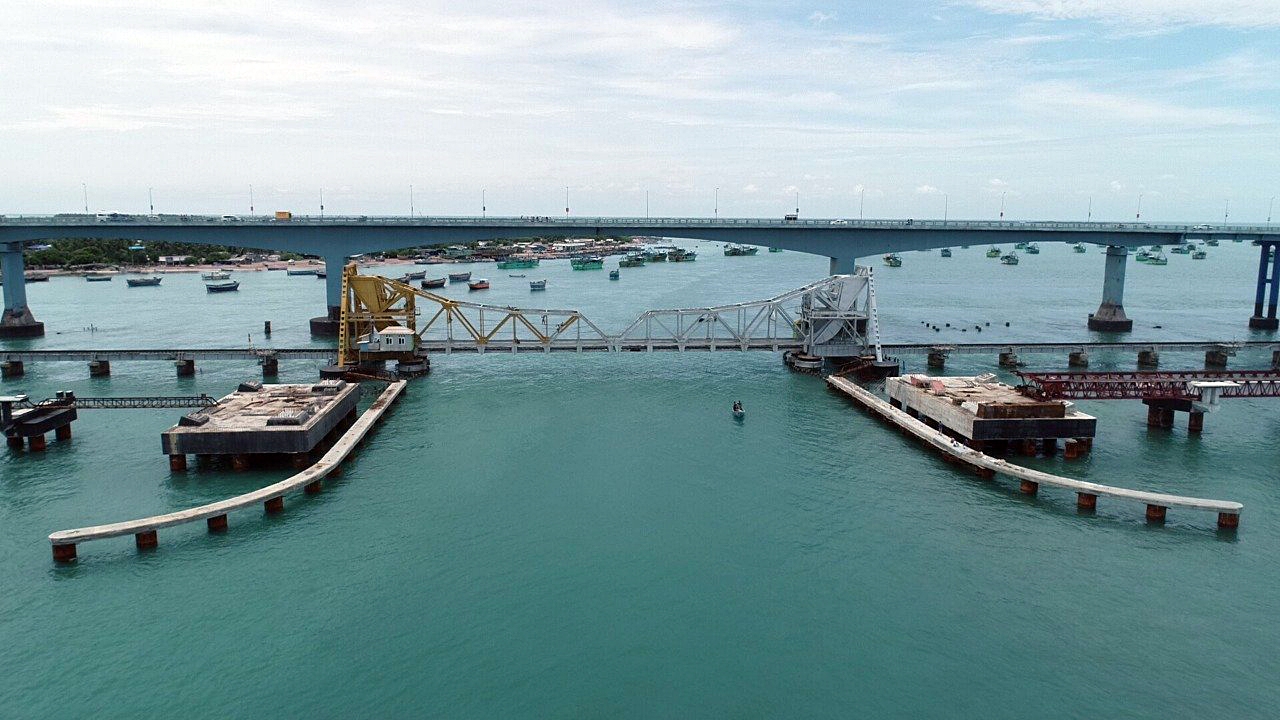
<point x="1071" y="449"/>
<point x="266" y="328"/>
<point x="12" y="369"/>
<point x="177" y="463"/>
<point x="36" y="443"/>
<point x="1079" y="358"/>
<point x="1086" y="501"/>
<point x="63" y="432"/>
<point x="99" y="368"/>
<point x="1148" y="359"/>
<point x="185" y="368"/>
<point x="217" y="523"/>
<point x="14" y="442"/>
<point x="1028" y="487"/>
<point x="146" y="539"/>
<point x="67" y="552"/>
<point x="1027" y="448"/>
<point x="1275" y="359"/>
<point x="1155" y="513"/>
<point x="1215" y="359"/>
<point x="239" y="462"/>
<point x="1261" y="322"/>
<point x="1049" y="446"/>
<point x="312" y="488"/>
<point x="1166" y="417"/>
<point x="937" y="360"/>
<point x="274" y="505"/>
<point x="1195" y="422"/>
<point x="270" y="366"/>
<point x="1009" y="360"/>
<point x="1228" y="521"/>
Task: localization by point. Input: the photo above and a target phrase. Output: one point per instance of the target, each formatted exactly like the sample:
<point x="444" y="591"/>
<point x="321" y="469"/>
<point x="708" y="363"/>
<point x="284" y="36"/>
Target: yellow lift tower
<point x="379" y="323"/>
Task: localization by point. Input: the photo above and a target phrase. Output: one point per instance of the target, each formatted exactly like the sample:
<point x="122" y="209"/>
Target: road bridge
<point x="843" y="241"/>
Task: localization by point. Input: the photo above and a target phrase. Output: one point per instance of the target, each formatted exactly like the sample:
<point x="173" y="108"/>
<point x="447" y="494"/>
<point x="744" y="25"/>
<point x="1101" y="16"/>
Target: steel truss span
<point x="1170" y="385"/>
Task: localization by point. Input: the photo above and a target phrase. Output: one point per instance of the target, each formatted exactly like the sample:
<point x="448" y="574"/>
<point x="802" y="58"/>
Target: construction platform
<point x="262" y="419"/>
<point x="983" y="411"/>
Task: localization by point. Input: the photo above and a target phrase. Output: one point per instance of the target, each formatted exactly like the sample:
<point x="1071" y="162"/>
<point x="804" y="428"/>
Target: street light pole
<point x="411" y="200"/>
<point x="250" y="199"/>
<point x="1226" y="207"/>
<point x="151" y="202"/>
<point x="566" y="201"/>
<point x="646" y="204"/>
<point x="1270" y="208"/>
<point x="321" y="202"/>
<point x="862" y="201"/>
<point x="1002" y="204"/>
<point x="717" y="210"/>
<point x="946" y="206"/>
<point x="484" y="208"/>
<point x="1138" y="216"/>
<point x="1090" y="216"/>
<point x="85" y="189"/>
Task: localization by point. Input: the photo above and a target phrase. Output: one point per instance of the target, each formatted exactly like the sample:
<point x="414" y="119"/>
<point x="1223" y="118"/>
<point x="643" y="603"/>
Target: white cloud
<point x="927" y="190"/>
<point x="818" y="17"/>
<point x="1116" y="186"/>
<point x="997" y="183"/>
<point x="1243" y="14"/>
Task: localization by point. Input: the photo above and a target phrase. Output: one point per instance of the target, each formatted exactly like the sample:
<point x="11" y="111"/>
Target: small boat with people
<point x="216" y="275"/>
<point x="587" y="263"/>
<point x="478" y="284"/>
<point x="143" y="282"/>
<point x="993" y="252"/>
<point x="946" y="252"/>
<point x="536" y="285"/>
<point x="893" y="260"/>
<point x="1010" y="259"/>
<point x="459" y="277"/>
<point x="614" y="274"/>
<point x="738" y="412"/>
<point x="219" y="286"/>
<point x="732" y="250"/>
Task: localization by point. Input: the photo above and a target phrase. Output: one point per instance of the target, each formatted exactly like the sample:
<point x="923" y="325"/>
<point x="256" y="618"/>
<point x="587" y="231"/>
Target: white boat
<point x="215" y="275"/>
<point x="301" y="271"/>
<point x="535" y="285"/>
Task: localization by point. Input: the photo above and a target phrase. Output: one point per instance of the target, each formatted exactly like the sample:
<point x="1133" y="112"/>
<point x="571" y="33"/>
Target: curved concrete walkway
<point x="272" y="496"/>
<point x="1087" y="492"/>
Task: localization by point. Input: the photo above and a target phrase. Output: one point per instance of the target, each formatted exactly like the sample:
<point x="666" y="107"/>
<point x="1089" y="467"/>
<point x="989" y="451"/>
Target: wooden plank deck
<point x="1088" y="492"/>
<point x="271" y="496"/>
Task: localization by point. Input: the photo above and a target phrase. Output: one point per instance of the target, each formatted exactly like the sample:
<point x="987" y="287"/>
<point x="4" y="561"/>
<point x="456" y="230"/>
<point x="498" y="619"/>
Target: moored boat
<point x="775" y="249"/>
<point x="94" y="277"/>
<point x="459" y="277"/>
<point x="300" y="271"/>
<point x="535" y="285"/>
<point x="993" y="252"/>
<point x="632" y="261"/>
<point x="587" y="263"/>
<point x="732" y="250"/>
<point x="1199" y="255"/>
<point x="415" y="275"/>
<point x="681" y="255"/>
<point x="1080" y="248"/>
<point x="1158" y="259"/>
<point x="1010" y="259"/>
<point x="222" y="286"/>
<point x="946" y="252"/>
<point x="478" y="284"/>
<point x="35" y="277"/>
<point x="1020" y="246"/>
<point x="1211" y="242"/>
<point x="614" y="274"/>
<point x="1182" y="249"/>
<point x="656" y="255"/>
<point x="1033" y="249"/>
<point x="215" y="275"/>
<point x="432" y="283"/>
<point x="143" y="282"/>
<point x="517" y="263"/>
<point x="893" y="260"/>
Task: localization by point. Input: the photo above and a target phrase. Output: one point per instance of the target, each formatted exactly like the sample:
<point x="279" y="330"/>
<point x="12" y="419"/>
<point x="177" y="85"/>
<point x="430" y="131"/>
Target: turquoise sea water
<point x="594" y="536"/>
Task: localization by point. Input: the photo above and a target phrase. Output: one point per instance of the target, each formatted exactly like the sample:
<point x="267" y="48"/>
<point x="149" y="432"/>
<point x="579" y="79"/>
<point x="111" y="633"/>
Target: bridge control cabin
<point x="395" y="342"/>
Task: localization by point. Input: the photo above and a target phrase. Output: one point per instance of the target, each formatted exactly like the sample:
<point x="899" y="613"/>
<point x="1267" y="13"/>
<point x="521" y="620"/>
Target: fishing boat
<point x="432" y="283"/>
<point x="478" y="284"/>
<point x="35" y="277"/>
<point x="893" y="260"/>
<point x="1182" y="249"/>
<point x="517" y="263"/>
<point x="1020" y="246"/>
<point x="740" y="250"/>
<point x="631" y="261"/>
<point x="1144" y="255"/>
<point x="1158" y="259"/>
<point x="459" y="277"/>
<point x="1199" y="255"/>
<point x="216" y="275"/>
<point x="143" y="282"/>
<point x="300" y="271"/>
<point x="1211" y="242"/>
<point x="587" y="263"/>
<point x="614" y="274"/>
<point x="222" y="286"/>
<point x="322" y="273"/>
<point x="1033" y="249"/>
<point x="681" y="255"/>
<point x="1010" y="259"/>
<point x="775" y="249"/>
<point x="655" y="255"/>
<point x="536" y="285"/>
<point x="518" y="276"/>
<point x="415" y="275"/>
<point x="946" y="252"/>
<point x="1080" y="248"/>
<point x="738" y="412"/>
<point x="993" y="252"/>
<point x="93" y="277"/>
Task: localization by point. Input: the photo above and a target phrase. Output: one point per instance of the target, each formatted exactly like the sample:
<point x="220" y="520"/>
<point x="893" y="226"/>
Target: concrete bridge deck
<point x="1087" y="492"/>
<point x="271" y="497"/>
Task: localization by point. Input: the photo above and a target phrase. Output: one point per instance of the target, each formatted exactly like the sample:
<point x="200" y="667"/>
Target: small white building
<point x="394" y="339"/>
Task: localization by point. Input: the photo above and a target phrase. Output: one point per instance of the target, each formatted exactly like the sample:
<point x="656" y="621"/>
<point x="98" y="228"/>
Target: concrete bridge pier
<point x="1110" y="316"/>
<point x="327" y="325"/>
<point x="839" y="266"/>
<point x="1268" y="260"/>
<point x="17" y="321"/>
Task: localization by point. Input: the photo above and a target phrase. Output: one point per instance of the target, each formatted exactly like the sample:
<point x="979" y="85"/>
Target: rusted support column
<point x="1195" y="422"/>
<point x="1275" y="359"/>
<point x="266" y="328"/>
<point x="985" y="473"/>
<point x="36" y="443"/>
<point x="67" y="553"/>
<point x="1027" y="448"/>
<point x="185" y="368"/>
<point x="62" y="432"/>
<point x="1049" y="446"/>
<point x="313" y="487"/>
<point x="336" y="471"/>
<point x="937" y="359"/>
<point x="239" y="462"/>
<point x="1155" y="513"/>
<point x="1215" y="359"/>
<point x="146" y="539"/>
<point x="1079" y="358"/>
<point x="301" y="461"/>
<point x="1086" y="501"/>
<point x="1009" y="360"/>
<point x="270" y="366"/>
<point x="1166" y="417"/>
<point x="177" y="463"/>
<point x="14" y="442"/>
<point x="99" y="368"/>
<point x="1228" y="521"/>
<point x="1153" y="416"/>
<point x="1029" y="488"/>
<point x="1071" y="449"/>
<point x="12" y="369"/>
<point x="217" y="523"/>
<point x="274" y="505"/>
<point x="1148" y="359"/>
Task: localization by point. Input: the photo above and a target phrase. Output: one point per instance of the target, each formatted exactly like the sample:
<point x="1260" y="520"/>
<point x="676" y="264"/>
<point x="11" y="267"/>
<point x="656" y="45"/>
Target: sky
<point x="1051" y="108"/>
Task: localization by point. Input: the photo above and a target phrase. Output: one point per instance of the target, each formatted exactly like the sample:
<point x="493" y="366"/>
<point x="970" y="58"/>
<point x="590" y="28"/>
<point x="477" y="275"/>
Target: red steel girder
<point x="1163" y="384"/>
